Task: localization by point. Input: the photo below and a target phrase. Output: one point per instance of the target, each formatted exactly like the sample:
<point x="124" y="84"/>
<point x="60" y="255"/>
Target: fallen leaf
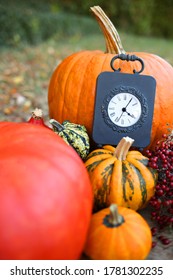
<point x="18" y="80"/>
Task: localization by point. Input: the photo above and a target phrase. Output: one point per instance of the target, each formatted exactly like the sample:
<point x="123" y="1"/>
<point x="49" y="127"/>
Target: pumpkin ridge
<point x="102" y="192"/>
<point x="92" y="66"/>
<point x="84" y="76"/>
<point x="146" y="185"/>
<point x="56" y="81"/>
<point x="139" y="157"/>
<point x="125" y="255"/>
<point x="154" y="174"/>
<point x="136" y="154"/>
<point x="161" y="110"/>
<point x="139" y="241"/>
<point x="160" y="104"/>
<point x="130" y="174"/>
<point x="144" y="161"/>
<point x="126" y="177"/>
<point x="100" y="169"/>
<point x="132" y="223"/>
<point x="97" y="157"/>
<point x="103" y="63"/>
<point x="92" y="166"/>
<point x="66" y="102"/>
<point x="95" y="232"/>
<point x="73" y="65"/>
<point x="101" y="185"/>
<point x="124" y="180"/>
<point x="109" y="148"/>
<point x="144" y="170"/>
<point x="92" y="163"/>
<point x="150" y="61"/>
<point x="116" y="235"/>
<point x="142" y="186"/>
<point x="97" y="152"/>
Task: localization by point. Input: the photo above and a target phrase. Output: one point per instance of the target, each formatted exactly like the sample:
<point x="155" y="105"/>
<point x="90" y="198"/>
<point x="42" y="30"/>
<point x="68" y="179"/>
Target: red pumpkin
<point x="72" y="86"/>
<point x="45" y="195"/>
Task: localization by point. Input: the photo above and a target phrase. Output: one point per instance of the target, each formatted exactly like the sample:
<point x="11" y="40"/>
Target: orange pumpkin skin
<point x="43" y="201"/>
<point x="131" y="240"/>
<point x="72" y="87"/>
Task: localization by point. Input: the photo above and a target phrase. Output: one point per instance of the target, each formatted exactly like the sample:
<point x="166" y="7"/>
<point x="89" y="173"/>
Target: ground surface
<point x="160" y="252"/>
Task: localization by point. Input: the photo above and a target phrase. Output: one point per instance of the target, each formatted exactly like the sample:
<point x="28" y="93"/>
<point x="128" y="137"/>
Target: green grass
<point x="130" y="42"/>
<point x="26" y="70"/>
<point x="158" y="46"/>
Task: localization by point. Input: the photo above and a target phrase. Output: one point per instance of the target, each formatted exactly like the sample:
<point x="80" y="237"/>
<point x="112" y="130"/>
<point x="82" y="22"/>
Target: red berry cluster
<point x="161" y="158"/>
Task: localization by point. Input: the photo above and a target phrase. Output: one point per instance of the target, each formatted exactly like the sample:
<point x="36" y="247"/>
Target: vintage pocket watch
<point x="124" y="105"/>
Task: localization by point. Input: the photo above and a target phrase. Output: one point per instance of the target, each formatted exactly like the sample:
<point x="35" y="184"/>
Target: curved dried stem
<point x="112" y="38"/>
<point x="123" y="148"/>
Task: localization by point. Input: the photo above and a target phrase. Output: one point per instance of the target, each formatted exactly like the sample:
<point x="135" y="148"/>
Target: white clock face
<point x="124" y="109"/>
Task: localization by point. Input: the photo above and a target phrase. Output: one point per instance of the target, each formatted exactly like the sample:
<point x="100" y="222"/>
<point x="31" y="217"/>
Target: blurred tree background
<point x="35" y="21"/>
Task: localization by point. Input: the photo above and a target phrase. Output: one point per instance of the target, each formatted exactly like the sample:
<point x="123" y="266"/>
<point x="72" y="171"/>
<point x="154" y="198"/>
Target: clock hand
<point x="117" y="119"/>
<point x="131" y="115"/>
<point x="124" y="110"/>
<point x="128" y="104"/>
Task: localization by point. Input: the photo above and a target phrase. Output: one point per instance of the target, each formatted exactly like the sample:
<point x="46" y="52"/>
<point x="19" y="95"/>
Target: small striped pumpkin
<point x="120" y="176"/>
<point x="74" y="135"/>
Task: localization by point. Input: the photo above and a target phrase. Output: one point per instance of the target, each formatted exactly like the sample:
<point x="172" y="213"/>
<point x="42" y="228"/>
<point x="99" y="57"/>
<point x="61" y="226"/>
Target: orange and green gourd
<point x="120" y="176"/>
<point x="74" y="135"/>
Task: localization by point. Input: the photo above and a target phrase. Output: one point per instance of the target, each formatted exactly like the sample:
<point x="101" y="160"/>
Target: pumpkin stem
<point x="115" y="218"/>
<point x="56" y="125"/>
<point x="123" y="148"/>
<point x="112" y="38"/>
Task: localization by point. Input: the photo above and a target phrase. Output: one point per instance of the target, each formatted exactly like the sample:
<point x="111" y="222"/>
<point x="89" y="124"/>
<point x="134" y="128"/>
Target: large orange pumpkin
<point x="72" y="86"/>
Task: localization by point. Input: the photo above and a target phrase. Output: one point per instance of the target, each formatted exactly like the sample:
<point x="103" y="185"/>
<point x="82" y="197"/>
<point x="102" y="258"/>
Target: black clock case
<point x="111" y="83"/>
